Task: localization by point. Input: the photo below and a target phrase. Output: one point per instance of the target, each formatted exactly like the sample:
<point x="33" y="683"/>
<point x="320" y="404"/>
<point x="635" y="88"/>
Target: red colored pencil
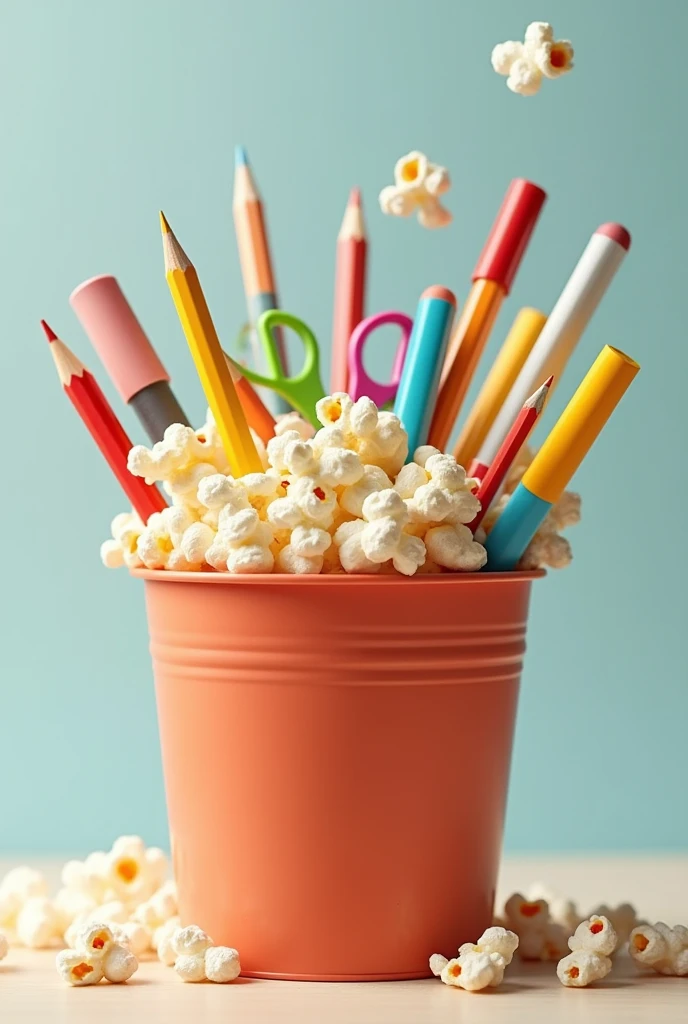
<point x="511" y="445"/>
<point x="104" y="427"/>
<point x="349" y="288"/>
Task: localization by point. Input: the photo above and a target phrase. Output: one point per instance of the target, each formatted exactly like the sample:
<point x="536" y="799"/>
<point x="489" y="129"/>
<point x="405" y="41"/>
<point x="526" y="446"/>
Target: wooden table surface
<point x="30" y="990"/>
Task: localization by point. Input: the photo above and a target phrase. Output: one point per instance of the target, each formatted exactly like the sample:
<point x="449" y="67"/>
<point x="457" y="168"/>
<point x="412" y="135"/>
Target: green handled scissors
<point x="302" y="391"/>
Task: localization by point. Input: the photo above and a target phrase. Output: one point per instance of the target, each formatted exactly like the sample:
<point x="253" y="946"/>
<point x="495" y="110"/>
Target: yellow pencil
<point x="208" y="356"/>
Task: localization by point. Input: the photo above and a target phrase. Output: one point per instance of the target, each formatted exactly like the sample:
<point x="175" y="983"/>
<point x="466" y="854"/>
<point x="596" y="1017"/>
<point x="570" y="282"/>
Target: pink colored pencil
<point x="349" y="288"/>
<point x="512" y="444"/>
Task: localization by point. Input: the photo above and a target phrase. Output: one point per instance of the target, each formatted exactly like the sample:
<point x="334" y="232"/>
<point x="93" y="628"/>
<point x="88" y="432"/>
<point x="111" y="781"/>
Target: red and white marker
<point x="580" y="298"/>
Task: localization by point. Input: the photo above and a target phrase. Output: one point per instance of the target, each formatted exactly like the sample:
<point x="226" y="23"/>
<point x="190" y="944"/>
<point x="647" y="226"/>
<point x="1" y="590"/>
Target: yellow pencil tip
<point x="164" y="226"/>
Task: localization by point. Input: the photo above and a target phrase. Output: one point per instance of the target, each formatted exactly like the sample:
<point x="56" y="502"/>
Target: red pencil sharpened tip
<point x="548" y="382"/>
<point x="49" y="332"/>
<point x="355" y="197"/>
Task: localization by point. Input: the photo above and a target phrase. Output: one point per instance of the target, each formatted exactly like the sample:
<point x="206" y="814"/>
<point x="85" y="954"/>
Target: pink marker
<point x="582" y="294"/>
<point x="126" y="353"/>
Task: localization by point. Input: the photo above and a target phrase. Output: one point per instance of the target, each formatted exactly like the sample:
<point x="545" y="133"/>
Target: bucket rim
<point x="337" y="579"/>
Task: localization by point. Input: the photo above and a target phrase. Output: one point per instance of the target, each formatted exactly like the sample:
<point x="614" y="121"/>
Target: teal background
<point x="113" y="111"/>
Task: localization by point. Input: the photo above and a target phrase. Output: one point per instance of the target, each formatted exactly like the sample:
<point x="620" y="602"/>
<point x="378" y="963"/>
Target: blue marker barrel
<point x="417" y="393"/>
<point x="514" y="530"/>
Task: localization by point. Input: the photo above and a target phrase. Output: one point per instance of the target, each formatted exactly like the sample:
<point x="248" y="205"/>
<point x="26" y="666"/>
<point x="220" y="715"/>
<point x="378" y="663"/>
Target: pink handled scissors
<point x="359" y="382"/>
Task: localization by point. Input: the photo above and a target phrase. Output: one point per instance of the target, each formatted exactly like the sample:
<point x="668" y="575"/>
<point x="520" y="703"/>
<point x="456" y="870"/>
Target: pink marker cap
<point x="116" y="335"/>
<point x="617" y="232"/>
<point x="510" y="233"/>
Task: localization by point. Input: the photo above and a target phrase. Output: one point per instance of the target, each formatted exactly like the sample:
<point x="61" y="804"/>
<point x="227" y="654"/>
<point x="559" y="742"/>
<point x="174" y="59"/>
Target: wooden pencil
<point x="349" y="288"/>
<point x="83" y="391"/>
<point x="208" y="356"/>
<point x="513" y="442"/>
<point x="254" y="248"/>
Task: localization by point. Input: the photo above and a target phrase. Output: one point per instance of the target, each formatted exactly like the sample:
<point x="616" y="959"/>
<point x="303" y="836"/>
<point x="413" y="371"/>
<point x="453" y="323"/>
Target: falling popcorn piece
<point x="539" y="56"/>
<point x="416" y="189"/>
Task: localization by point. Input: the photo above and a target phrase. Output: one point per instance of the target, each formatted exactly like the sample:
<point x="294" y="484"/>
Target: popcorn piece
<point x="663" y="949"/>
<point x="539" y="55"/>
<point x="438" y="963"/>
<point x="525" y="78"/>
<point x="504" y="55"/>
<point x="190" y="941"/>
<point x="133" y="936"/>
<point x="529" y="919"/>
<point x="222" y="964"/>
<point x="455" y="548"/>
<point x="446" y="496"/>
<point x="595" y="934"/>
<point x="87" y="877"/>
<point x="38" y="923"/>
<point x="293" y="421"/>
<point x="582" y="967"/>
<point x="119" y="964"/>
<point x="380" y="538"/>
<point x="624" y="919"/>
<point x="71" y="904"/>
<point x="156" y="547"/>
<point x="191" y="967"/>
<point x="352" y="557"/>
<point x="132" y="871"/>
<point x="498" y="940"/>
<point x="478" y="965"/>
<point x="16" y="888"/>
<point x="180" y="450"/>
<point x="163" y="941"/>
<point x="431" y="214"/>
<point x="373" y="479"/>
<point x="417" y="187"/>
<point x="474" y="971"/>
<point x="218" y="491"/>
<point x="121" y="550"/>
<point x="242" y="543"/>
<point x="157" y="910"/>
<point x="562" y="911"/>
<point x="95" y="937"/>
<point x="79" y="968"/>
<point x="591" y="945"/>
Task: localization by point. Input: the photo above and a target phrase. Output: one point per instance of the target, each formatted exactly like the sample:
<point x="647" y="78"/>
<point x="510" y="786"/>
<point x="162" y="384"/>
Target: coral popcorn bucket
<point x="336" y="755"/>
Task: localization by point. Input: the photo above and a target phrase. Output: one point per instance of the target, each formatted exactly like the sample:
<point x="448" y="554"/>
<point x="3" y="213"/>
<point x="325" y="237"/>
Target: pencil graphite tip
<point x="164" y="226"/>
<point x="355" y="196"/>
<point x="548" y="382"/>
<point x="240" y="156"/>
<point x="49" y="332"/>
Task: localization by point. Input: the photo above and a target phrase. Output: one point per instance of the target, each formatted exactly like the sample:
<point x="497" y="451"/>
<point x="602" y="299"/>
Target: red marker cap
<point x="510" y="233"/>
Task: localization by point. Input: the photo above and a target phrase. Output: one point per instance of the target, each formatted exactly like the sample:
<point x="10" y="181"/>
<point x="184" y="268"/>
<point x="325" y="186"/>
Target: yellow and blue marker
<point x="568" y="443"/>
<point x="420" y="378"/>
